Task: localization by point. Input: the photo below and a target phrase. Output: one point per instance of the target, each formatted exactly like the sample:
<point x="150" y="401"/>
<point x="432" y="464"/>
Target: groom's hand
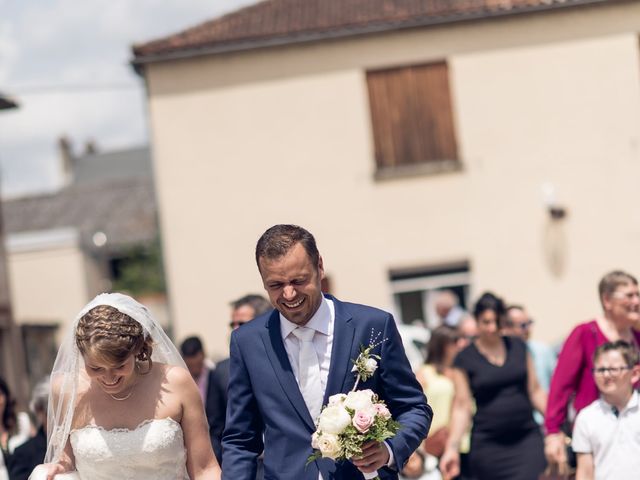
<point x="375" y="455"/>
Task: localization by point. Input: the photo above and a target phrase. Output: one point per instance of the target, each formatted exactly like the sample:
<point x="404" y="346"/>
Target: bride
<point x="122" y="403"/>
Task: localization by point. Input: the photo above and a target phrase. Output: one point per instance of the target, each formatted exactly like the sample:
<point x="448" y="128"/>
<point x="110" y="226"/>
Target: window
<point x="412" y="118"/>
<point x="415" y="290"/>
<point x="138" y="269"/>
<point x="40" y="350"/>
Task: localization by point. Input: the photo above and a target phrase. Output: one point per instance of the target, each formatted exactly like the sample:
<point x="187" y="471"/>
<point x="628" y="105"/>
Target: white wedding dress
<point x="154" y="450"/>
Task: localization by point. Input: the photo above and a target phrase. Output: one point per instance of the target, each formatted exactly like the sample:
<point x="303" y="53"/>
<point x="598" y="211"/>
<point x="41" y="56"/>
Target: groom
<point x="287" y="363"/>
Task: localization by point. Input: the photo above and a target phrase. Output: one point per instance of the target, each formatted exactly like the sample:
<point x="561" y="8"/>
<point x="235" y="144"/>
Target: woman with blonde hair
<point x="436" y="378"/>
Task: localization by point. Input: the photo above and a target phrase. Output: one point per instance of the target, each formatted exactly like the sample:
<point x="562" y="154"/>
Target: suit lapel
<point x="343" y="335"/>
<point x="274" y="346"/>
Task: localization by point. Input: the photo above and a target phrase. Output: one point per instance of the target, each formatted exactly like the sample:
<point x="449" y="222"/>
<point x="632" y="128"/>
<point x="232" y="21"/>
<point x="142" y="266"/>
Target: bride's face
<point x="113" y="379"/>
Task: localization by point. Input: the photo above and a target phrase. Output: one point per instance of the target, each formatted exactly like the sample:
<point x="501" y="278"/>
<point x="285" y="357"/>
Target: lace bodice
<point x="154" y="450"/>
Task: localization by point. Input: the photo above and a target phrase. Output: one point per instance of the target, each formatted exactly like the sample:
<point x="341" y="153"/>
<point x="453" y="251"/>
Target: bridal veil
<point x="69" y="363"/>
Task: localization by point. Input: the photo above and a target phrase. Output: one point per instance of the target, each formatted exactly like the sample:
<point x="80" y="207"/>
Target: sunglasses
<point x="522" y="326"/>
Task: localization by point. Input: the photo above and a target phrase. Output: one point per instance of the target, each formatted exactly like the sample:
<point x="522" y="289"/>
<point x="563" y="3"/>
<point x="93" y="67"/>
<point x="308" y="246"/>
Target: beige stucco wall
<point x="243" y="141"/>
<point x="48" y="287"/>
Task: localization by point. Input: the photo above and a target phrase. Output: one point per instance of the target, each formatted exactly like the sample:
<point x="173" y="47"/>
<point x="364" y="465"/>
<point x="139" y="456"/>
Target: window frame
<point x="412" y="137"/>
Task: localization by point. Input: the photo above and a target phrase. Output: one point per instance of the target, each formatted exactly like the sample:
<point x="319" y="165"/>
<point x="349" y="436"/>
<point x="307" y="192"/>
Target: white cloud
<point x="66" y="42"/>
<point x="8" y="50"/>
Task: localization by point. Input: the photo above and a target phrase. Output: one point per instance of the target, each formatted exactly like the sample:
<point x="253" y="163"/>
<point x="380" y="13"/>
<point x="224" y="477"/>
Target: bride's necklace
<point x="120" y="399"/>
<point x="128" y="395"/>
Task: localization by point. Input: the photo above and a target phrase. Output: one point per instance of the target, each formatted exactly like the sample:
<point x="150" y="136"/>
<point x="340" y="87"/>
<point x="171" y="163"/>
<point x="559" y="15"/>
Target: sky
<point x="66" y="62"/>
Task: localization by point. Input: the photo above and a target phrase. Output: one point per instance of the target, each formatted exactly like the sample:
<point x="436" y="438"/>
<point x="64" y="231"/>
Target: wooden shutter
<point x="411" y="115"/>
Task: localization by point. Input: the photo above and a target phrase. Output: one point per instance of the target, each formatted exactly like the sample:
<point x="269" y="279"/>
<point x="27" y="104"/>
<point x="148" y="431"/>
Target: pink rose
<point x="363" y="420"/>
<point x="382" y="410"/>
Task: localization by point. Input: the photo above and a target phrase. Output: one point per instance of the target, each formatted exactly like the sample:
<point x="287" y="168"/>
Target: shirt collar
<point x="318" y="322"/>
<point x="633" y="403"/>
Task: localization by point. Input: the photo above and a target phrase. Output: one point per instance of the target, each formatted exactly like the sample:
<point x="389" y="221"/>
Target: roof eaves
<point x="233" y="46"/>
<point x="7" y="103"/>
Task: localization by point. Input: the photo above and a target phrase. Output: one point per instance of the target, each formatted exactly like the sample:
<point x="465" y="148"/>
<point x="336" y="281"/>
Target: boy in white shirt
<point x="606" y="435"/>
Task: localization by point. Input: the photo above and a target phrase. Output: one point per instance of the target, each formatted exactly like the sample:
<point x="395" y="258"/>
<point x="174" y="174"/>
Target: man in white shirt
<point x="285" y="364"/>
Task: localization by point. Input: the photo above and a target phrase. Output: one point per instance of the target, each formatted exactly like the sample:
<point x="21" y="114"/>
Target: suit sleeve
<point x="216" y="409"/>
<point x="21" y="463"/>
<point x="403" y="395"/>
<point x="242" y="439"/>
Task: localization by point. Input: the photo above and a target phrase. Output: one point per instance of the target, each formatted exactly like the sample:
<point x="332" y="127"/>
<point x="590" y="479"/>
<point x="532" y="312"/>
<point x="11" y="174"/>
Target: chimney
<point x="90" y="147"/>
<point x="67" y="159"/>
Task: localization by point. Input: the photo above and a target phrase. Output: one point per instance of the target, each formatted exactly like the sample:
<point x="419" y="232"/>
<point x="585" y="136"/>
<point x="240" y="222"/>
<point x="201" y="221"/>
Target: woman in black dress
<point x="497" y="372"/>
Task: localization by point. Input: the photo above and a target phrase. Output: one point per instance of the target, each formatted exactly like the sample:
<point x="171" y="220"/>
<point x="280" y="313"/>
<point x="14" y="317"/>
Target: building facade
<point x="66" y="246"/>
<point x="495" y="148"/>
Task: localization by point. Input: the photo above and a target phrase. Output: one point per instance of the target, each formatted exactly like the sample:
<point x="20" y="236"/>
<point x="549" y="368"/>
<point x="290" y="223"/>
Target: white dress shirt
<point x="322" y="322"/>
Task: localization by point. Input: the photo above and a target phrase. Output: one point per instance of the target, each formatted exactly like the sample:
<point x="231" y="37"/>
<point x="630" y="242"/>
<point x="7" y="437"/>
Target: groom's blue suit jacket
<point x="264" y="397"/>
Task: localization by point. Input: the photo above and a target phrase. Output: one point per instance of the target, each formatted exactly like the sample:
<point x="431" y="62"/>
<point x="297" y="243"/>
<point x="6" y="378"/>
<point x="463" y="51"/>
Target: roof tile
<point x="272" y="22"/>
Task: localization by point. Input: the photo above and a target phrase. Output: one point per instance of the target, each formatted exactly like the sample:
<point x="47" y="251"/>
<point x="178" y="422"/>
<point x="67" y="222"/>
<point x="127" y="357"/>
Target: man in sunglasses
<point x="243" y="310"/>
<point x="519" y="324"/>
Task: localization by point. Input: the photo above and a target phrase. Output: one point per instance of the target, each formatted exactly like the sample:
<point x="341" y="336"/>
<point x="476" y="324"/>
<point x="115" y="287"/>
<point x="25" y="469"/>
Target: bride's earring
<point x="143" y="357"/>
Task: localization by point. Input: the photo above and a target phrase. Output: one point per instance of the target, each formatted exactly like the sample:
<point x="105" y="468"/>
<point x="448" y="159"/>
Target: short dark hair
<point x="191" y="346"/>
<point x="628" y="351"/>
<point x="259" y="304"/>
<point x="279" y="239"/>
<point x="489" y="301"/>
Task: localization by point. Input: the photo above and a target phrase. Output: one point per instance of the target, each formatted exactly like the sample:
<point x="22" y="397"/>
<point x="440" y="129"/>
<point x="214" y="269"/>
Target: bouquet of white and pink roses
<point x="350" y="420"/>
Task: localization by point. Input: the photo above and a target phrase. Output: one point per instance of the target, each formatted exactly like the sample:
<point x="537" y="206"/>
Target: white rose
<point x="371" y="365"/>
<point x="329" y="446"/>
<point x="337" y="399"/>
<point x="314" y="440"/>
<point x="334" y="419"/>
<point x="359" y="400"/>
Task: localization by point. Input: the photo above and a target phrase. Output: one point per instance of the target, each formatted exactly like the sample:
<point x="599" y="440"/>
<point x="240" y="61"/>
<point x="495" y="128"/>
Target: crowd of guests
<point x="212" y="379"/>
<point x="507" y="407"/>
<point x="23" y="440"/>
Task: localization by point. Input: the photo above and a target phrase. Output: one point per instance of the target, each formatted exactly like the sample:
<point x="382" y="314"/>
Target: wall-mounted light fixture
<point x="99" y="239"/>
<point x="550" y="200"/>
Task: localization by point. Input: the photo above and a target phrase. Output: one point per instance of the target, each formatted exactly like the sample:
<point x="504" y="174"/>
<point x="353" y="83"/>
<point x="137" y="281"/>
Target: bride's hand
<point x="47" y="471"/>
<point x="54" y="469"/>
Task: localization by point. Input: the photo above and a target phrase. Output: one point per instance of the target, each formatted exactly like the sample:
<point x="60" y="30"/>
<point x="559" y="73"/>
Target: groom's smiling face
<point x="293" y="284"/>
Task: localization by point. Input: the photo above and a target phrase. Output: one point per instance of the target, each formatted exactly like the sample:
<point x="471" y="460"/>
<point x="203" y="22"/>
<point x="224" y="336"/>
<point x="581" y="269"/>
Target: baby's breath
<point x="360" y="364"/>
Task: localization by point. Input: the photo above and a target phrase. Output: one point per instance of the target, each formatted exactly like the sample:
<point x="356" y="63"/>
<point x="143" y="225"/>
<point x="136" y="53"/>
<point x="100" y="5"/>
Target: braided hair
<point x="110" y="335"/>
